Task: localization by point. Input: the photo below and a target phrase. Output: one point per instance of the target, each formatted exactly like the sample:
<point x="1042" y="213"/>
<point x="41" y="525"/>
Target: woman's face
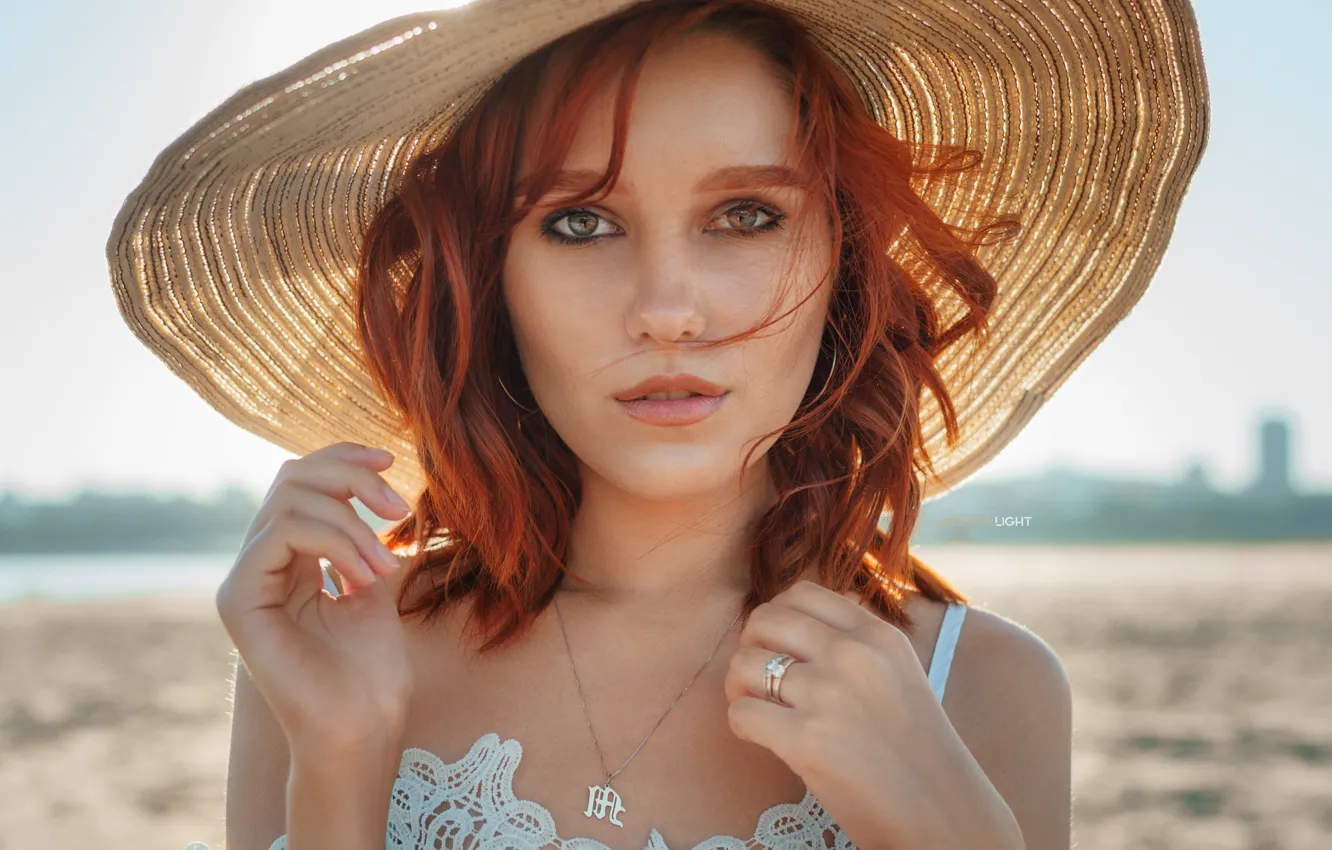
<point x="602" y="296"/>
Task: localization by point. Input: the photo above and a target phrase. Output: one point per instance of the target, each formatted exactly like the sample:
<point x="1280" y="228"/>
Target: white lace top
<point x="469" y="804"/>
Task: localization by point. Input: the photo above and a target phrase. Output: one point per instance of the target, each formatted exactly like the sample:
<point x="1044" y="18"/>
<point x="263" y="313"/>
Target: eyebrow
<point x="731" y="177"/>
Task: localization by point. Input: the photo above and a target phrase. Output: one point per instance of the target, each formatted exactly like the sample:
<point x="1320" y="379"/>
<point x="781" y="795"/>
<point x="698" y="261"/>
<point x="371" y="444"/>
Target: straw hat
<point x="234" y="260"/>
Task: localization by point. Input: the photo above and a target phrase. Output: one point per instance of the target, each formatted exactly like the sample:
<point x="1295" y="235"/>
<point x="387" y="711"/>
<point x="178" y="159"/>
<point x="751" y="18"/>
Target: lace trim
<point x="469" y="804"/>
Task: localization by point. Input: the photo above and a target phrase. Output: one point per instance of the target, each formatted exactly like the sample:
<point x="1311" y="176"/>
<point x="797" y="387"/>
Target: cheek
<point x="787" y="359"/>
<point x="531" y="322"/>
<point x="779" y="369"/>
<point x="553" y="321"/>
<point x="526" y="297"/>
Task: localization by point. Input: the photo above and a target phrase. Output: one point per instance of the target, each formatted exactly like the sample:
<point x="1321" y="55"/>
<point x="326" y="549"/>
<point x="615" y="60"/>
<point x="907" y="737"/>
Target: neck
<point x="657" y="557"/>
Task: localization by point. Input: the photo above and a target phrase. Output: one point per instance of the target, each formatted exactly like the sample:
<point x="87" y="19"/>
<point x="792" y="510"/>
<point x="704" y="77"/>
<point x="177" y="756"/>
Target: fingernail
<point x="397" y="500"/>
<point x="386" y="555"/>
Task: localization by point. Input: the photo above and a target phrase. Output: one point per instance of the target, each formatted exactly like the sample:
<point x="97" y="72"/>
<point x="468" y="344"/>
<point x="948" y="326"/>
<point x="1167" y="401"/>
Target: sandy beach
<point x="1203" y="689"/>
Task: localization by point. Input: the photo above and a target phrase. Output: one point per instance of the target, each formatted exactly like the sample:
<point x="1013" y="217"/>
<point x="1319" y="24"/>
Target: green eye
<point x="582" y="223"/>
<point x="742" y="219"/>
<point x="745" y="217"/>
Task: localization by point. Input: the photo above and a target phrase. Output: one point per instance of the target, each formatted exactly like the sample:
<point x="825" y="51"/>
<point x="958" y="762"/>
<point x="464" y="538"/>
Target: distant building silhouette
<point x="1067" y="506"/>
<point x="1195" y="478"/>
<point x="1273" y="478"/>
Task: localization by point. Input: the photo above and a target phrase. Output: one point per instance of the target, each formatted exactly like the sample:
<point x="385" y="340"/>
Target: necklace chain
<point x="583" y="699"/>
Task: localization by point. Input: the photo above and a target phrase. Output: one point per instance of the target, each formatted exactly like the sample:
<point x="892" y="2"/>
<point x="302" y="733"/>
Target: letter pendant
<point x="602" y="801"/>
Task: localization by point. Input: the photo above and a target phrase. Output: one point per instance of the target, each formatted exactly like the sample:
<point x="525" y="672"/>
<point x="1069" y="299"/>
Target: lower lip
<point x="681" y="411"/>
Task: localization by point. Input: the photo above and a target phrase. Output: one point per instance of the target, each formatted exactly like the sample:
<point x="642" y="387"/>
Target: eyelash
<point x="775" y="219"/>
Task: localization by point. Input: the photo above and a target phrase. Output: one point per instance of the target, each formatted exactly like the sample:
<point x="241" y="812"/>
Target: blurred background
<point x="1165" y="522"/>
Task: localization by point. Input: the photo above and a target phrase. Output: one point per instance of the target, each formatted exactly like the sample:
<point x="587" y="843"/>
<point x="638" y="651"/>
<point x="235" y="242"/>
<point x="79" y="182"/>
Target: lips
<point x="666" y="396"/>
<point x="684" y="411"/>
<point x="670" y="384"/>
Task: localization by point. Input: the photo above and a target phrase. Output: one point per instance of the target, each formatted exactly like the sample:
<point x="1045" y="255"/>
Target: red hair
<point x="494" y="520"/>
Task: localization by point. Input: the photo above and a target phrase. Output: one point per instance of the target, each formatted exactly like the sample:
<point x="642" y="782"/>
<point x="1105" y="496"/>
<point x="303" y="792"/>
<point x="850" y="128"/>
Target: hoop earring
<point x="831" y="366"/>
<point x="519" y="420"/>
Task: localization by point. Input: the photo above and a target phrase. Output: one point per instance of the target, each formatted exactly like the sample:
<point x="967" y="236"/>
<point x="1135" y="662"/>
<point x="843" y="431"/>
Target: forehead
<point x="702" y="101"/>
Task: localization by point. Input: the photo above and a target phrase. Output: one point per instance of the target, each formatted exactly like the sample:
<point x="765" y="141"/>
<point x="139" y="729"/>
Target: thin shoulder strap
<point x="944" y="646"/>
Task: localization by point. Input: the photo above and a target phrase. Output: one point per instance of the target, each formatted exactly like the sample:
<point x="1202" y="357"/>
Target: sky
<point x="1232" y="328"/>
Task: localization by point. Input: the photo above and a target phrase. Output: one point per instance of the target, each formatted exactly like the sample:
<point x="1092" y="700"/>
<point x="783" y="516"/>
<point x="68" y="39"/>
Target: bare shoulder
<point x="995" y="659"/>
<point x="1010" y="700"/>
<point x="999" y="659"/>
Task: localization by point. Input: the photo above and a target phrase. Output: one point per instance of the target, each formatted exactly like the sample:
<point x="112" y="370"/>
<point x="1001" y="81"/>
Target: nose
<point x="668" y="302"/>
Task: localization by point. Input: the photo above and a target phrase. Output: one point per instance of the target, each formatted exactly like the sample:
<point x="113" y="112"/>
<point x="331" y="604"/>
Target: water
<point x="976" y="569"/>
<point x="76" y="577"/>
<point x="80" y="577"/>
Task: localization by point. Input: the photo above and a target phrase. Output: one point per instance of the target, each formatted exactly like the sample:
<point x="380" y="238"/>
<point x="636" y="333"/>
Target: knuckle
<point x="800" y="590"/>
<point x="293" y="530"/>
<point x="733" y="681"/>
<point x="288" y="468"/>
<point x="289" y="472"/>
<point x="887" y="638"/>
<point x="279" y="495"/>
<point x="761" y="614"/>
<point x="733" y="710"/>
<point x="896" y="640"/>
<point x="278" y="500"/>
<point x="280" y="526"/>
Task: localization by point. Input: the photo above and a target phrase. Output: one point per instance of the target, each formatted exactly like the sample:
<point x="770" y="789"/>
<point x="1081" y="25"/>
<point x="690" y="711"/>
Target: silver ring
<point x="773" y="672"/>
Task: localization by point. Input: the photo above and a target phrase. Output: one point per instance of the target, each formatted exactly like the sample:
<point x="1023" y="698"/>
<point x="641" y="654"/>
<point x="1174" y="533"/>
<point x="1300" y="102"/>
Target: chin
<point x="682" y="472"/>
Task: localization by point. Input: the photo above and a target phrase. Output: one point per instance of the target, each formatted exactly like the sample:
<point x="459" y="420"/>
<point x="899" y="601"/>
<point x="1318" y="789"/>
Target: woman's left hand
<point x="862" y="727"/>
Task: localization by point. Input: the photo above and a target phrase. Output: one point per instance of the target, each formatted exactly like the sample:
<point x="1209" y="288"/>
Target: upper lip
<point x="670" y="383"/>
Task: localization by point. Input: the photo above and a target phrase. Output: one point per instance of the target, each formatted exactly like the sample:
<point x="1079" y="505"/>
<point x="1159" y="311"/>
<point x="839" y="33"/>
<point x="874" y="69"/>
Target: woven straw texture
<point x="234" y="259"/>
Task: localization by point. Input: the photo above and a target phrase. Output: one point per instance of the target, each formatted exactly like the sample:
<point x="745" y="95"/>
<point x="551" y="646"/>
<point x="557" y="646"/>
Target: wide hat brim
<point x="234" y="260"/>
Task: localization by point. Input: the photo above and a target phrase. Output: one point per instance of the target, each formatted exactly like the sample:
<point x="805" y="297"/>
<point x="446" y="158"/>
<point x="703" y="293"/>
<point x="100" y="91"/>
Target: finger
<point x="764" y="723"/>
<point x="343" y="480"/>
<point x="839" y="610"/>
<point x="747" y="672"/>
<point x="368" y="456"/>
<point x="779" y="628"/>
<point x="302" y="501"/>
<point x="342" y="585"/>
<point x="287" y="537"/>
<point x="281" y="565"/>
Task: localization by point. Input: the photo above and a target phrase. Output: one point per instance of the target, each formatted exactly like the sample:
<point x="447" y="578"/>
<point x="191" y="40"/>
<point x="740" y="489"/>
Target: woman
<point x="656" y="379"/>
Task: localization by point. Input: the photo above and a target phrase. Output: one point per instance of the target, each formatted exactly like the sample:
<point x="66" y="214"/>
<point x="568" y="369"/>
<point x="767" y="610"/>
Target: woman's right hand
<point x="334" y="670"/>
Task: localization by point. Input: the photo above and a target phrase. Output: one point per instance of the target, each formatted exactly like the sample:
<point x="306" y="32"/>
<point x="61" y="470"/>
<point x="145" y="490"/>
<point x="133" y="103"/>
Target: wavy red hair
<point x="494" y="520"/>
